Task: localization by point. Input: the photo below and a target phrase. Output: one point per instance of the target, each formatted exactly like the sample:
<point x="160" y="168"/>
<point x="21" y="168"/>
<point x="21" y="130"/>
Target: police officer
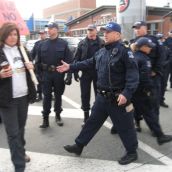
<point x="156" y="57"/>
<point x="166" y="68"/>
<point x="86" y="49"/>
<point x="168" y="43"/>
<point x="117" y="79"/>
<point x="142" y="99"/>
<point x="34" y="54"/>
<point x="51" y="52"/>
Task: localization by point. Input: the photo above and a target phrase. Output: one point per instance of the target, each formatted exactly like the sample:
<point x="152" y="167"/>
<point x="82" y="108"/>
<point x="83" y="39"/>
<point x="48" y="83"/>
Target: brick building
<point x="159" y="19"/>
<point x="70" y="9"/>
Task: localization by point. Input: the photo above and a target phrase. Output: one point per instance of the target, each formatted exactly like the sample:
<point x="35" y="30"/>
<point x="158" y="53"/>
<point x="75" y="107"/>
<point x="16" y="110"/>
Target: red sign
<point x="9" y="13"/>
<point x="123" y="5"/>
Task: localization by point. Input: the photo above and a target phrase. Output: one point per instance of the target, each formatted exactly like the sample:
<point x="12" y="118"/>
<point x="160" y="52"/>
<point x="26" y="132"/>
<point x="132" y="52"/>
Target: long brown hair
<point x="5" y="31"/>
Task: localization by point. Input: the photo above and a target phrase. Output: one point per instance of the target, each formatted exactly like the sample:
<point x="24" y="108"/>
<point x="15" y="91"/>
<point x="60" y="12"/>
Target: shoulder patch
<point x="130" y="54"/>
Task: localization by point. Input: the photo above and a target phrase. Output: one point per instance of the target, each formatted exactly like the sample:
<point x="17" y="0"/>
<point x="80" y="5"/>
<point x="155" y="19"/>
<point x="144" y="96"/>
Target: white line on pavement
<point x="41" y="162"/>
<point x="77" y="113"/>
<point x="146" y="148"/>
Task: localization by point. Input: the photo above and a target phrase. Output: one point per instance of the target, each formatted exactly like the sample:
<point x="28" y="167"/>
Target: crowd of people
<point x="129" y="78"/>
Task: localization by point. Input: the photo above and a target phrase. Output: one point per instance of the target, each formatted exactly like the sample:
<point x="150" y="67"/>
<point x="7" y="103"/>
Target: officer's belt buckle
<point x="51" y="68"/>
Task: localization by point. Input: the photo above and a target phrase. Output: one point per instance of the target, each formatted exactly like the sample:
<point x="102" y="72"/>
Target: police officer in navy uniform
<point x="157" y="57"/>
<point x="86" y="49"/>
<point x="50" y="54"/>
<point x="117" y="79"/>
<point x="168" y="43"/>
<point x="34" y="54"/>
<point x="142" y="99"/>
<point x="166" y="68"/>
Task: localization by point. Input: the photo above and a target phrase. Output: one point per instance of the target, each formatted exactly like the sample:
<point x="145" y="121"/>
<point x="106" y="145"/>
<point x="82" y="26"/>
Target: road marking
<point x="146" y="148"/>
<point x="41" y="162"/>
<point x="78" y="113"/>
<point x="74" y="104"/>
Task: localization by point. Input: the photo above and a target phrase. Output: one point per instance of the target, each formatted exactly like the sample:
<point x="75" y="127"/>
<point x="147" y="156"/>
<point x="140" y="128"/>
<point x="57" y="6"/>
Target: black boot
<point x="128" y="158"/>
<point x="45" y="123"/>
<point x="74" y="149"/>
<point x="164" y="139"/>
<point x="138" y="127"/>
<point x="59" y="120"/>
<point x="113" y="130"/>
<point x="163" y="104"/>
<point x="86" y="116"/>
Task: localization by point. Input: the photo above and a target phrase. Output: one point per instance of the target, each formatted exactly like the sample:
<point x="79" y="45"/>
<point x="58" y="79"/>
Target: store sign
<point x="123" y="5"/>
<point x="104" y="21"/>
<point x="9" y="13"/>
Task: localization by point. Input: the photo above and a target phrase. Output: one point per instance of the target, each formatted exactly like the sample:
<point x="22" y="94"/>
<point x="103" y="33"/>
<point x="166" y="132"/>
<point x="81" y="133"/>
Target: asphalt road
<point x="45" y="146"/>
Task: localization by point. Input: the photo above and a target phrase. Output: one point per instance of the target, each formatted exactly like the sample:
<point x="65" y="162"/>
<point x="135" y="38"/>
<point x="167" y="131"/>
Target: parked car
<point x="30" y="44"/>
<point x="72" y="42"/>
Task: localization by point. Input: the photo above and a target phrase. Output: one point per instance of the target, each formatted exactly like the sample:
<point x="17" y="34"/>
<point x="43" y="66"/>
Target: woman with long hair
<point x="16" y="91"/>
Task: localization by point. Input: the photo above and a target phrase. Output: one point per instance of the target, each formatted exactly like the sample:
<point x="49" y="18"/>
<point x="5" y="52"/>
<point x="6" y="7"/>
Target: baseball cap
<point x="52" y="25"/>
<point x="144" y="41"/>
<point x="91" y="27"/>
<point x="138" y="24"/>
<point x="42" y="31"/>
<point x="111" y="26"/>
<point x="159" y="35"/>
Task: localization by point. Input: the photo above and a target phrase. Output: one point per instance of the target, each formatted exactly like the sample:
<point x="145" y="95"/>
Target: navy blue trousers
<point x="123" y="121"/>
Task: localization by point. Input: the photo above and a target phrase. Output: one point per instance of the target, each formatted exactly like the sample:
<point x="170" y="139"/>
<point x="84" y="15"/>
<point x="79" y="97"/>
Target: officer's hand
<point x="153" y="73"/>
<point x="76" y="76"/>
<point x="63" y="68"/>
<point x="68" y="80"/>
<point x="121" y="100"/>
<point x="6" y="73"/>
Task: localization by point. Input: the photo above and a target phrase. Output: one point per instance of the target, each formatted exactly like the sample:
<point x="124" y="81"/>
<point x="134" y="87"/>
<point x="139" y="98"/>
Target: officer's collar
<point x="112" y="45"/>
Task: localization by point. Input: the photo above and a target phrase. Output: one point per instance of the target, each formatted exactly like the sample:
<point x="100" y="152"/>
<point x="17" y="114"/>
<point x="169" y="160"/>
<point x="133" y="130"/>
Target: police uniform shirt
<point x="116" y="69"/>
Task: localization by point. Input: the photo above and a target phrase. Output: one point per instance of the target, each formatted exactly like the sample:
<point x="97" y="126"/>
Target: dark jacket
<point x="116" y="69"/>
<point x="82" y="50"/>
<point x="6" y="86"/>
<point x="156" y="55"/>
<point x="144" y="64"/>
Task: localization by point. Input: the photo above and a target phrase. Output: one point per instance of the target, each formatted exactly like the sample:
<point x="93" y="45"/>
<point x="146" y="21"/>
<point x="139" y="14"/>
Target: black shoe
<point x="138" y="127"/>
<point x="113" y="130"/>
<point x="74" y="149"/>
<point x="164" y="139"/>
<point x="59" y="121"/>
<point x="128" y="158"/>
<point x="45" y="123"/>
<point x="163" y="104"/>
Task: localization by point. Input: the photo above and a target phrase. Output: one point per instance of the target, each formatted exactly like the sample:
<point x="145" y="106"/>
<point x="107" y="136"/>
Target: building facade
<point x="70" y="9"/>
<point x="158" y="19"/>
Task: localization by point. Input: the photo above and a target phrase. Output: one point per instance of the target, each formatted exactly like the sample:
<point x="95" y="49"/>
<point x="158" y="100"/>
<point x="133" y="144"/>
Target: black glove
<point x="68" y="80"/>
<point x="76" y="76"/>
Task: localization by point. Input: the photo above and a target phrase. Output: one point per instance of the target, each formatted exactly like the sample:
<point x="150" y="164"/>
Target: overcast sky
<point x="27" y="7"/>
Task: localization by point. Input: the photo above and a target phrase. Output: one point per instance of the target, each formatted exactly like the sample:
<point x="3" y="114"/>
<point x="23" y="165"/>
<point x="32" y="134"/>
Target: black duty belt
<point x="49" y="68"/>
<point x="104" y="93"/>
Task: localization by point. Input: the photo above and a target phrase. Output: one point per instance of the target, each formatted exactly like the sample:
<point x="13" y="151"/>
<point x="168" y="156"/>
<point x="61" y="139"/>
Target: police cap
<point x="144" y="41"/>
<point x="52" y="25"/>
<point x="138" y="24"/>
<point x="111" y="26"/>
